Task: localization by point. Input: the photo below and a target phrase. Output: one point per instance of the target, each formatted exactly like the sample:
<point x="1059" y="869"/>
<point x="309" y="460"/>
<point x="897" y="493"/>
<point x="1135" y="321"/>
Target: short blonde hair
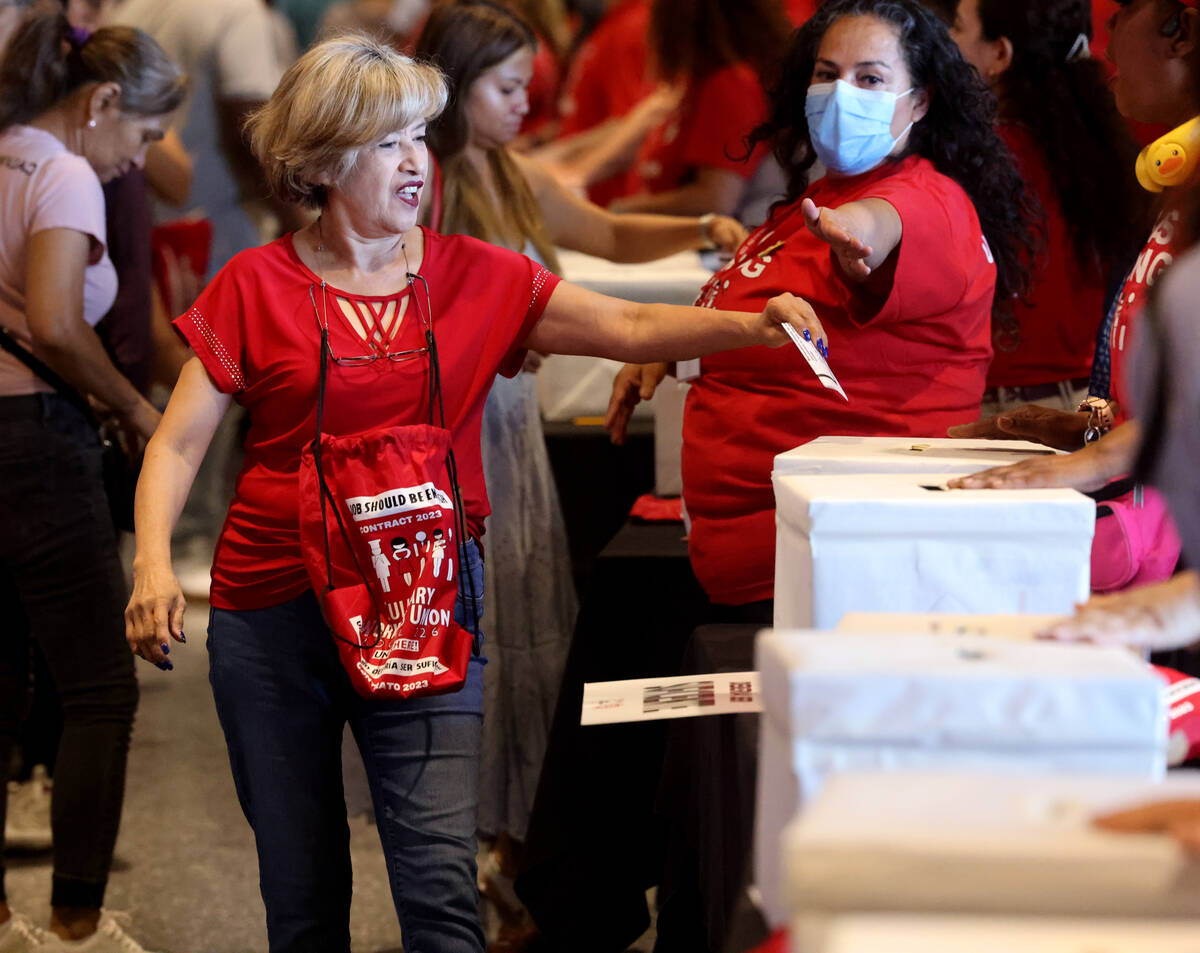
<point x="341" y="95"/>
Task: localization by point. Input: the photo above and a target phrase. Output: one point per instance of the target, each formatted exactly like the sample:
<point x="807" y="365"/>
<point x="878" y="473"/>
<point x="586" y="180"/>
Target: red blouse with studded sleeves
<point x="255" y="328"/>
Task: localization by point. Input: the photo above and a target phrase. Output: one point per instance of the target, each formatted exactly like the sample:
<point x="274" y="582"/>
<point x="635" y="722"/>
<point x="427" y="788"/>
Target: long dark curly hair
<point x="956" y="134"/>
<point x="1065" y="102"/>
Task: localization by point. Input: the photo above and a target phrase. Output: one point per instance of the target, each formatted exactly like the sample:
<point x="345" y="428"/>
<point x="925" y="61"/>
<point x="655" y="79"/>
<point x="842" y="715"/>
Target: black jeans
<point x="61" y="585"/>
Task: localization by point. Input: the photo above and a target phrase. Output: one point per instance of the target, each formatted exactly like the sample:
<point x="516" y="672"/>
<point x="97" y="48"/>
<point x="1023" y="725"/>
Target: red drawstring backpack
<point x="381" y="525"/>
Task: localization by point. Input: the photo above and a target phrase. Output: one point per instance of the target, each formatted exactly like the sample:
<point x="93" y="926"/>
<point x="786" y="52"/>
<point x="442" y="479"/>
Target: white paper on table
<point x="677" y="696"/>
<point x="816" y="361"/>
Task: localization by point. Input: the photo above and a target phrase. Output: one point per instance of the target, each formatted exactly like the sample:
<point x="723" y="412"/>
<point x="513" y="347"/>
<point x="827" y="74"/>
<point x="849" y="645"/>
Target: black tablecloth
<point x="595" y="843"/>
<point x="707" y="793"/>
<point x="597" y="484"/>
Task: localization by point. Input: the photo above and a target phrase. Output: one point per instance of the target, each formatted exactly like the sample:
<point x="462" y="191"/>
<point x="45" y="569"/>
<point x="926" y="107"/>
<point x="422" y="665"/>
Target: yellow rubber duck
<point x="1171" y="159"/>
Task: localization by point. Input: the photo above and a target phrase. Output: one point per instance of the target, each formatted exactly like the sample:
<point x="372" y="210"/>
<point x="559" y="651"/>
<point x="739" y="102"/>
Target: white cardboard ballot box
<point x="948" y="933"/>
<point x="837" y="701"/>
<point x="942" y="842"/>
<point x="904" y="455"/>
<point x="901" y="542"/>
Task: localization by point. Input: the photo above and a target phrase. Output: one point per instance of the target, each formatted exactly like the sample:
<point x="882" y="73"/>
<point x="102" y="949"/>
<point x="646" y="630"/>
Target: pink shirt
<point x="44" y="185"/>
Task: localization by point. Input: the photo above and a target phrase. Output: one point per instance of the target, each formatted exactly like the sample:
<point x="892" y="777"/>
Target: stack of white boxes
<point x="868" y="525"/>
<point x="836" y="702"/>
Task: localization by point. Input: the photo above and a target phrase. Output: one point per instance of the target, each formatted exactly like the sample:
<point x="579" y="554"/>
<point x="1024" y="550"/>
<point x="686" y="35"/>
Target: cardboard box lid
<point x="975" y="841"/>
<point x="904" y="503"/>
<point x="963" y="692"/>
<point x="905" y="455"/>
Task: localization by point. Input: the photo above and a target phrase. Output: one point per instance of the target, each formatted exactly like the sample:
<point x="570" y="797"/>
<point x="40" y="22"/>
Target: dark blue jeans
<point x="283" y="699"/>
<point x="61" y="584"/>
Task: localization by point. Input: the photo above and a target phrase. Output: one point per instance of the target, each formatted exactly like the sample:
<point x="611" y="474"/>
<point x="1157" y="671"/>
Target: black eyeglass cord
<point x="327" y="500"/>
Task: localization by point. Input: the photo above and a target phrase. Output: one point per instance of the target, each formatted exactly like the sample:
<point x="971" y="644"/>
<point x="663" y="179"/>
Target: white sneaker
<point x="18" y="935"/>
<point x="111" y="936"/>
<point x="27" y="825"/>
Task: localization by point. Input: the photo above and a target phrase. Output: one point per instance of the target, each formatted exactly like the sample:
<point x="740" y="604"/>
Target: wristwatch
<point x="1100" y="417"/>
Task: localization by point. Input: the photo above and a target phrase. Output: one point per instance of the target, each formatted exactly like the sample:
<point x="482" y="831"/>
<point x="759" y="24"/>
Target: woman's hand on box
<point x="1159" y="617"/>
<point x="1059" y="429"/>
<point x="1179" y="818"/>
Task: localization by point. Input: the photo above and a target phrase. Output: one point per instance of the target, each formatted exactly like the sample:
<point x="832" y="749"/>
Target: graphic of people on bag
<point x="401" y="551"/>
<point x="438" y="551"/>
<point x="379" y="561"/>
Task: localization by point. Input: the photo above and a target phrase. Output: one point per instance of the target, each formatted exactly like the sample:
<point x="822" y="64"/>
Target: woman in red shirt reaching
<point x="899" y="248"/>
<point x="363" y="325"/>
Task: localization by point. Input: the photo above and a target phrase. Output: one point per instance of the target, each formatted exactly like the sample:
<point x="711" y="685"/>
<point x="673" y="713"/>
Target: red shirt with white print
<point x="1157" y="256"/>
<point x="257" y="332"/>
<point x="913" y="364"/>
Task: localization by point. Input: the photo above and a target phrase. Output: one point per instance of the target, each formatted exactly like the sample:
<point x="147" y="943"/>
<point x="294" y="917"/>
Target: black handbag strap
<point x="326" y="495"/>
<point x="48" y="374"/>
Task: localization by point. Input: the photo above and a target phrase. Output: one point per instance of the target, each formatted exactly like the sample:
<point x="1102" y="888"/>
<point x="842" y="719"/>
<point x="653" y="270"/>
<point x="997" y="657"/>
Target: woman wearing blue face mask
<point x="920" y="222"/>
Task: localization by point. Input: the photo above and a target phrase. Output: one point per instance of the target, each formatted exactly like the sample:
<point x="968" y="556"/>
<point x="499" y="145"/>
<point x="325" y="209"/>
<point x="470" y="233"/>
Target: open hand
<point x="833" y="228"/>
<point x="1059" y="429"/>
<point x="154" y="615"/>
<point x="633" y="384"/>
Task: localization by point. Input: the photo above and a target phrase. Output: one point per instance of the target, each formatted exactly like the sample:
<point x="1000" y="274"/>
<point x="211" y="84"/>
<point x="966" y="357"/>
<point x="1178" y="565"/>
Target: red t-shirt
<point x="608" y="74"/>
<point x="1157" y="256"/>
<point x="607" y="77"/>
<point x="543" y="88"/>
<point x="1066" y="305"/>
<point x="707" y="129"/>
<point x="914" y="365"/>
<point x="800" y="11"/>
<point x="255" y="330"/>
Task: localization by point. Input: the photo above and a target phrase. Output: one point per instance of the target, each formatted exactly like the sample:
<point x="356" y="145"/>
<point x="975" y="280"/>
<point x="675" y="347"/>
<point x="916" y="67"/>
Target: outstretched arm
<point x="862" y="236"/>
<point x="1097" y="464"/>
<point x="582" y="322"/>
<point x="575" y="223"/>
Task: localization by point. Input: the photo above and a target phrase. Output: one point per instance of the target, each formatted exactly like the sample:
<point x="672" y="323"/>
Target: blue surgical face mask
<point x="851" y="128"/>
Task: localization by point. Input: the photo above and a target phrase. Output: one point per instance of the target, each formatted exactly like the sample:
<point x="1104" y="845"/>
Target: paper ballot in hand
<point x="818" y="363"/>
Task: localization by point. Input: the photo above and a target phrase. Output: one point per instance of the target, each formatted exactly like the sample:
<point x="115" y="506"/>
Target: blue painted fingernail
<point x="807" y="336"/>
<point x="165" y="666"/>
<point x="182" y="637"/>
<point x="166" y="648"/>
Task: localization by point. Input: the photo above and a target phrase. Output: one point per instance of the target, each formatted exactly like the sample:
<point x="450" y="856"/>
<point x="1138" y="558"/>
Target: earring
<point x="91" y="123"/>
